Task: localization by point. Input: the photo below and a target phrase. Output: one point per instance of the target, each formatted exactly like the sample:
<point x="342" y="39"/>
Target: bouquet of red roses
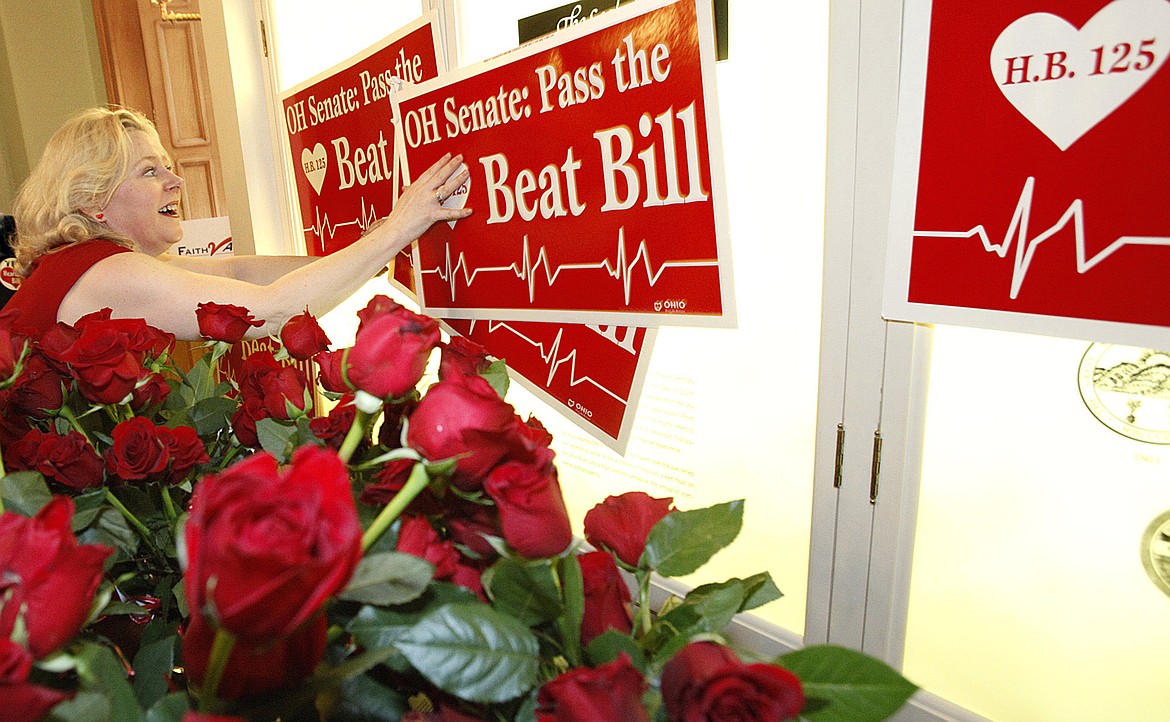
<point x="181" y="546"/>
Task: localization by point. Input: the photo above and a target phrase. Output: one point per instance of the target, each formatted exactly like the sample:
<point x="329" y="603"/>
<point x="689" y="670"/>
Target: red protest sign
<point x="1039" y="198"/>
<point x="595" y="176"/>
<point x="592" y="374"/>
<point x="341" y="138"/>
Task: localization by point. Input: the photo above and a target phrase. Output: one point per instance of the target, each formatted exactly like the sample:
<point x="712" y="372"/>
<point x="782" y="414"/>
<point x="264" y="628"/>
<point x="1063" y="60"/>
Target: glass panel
<point x="1029" y="599"/>
<point x="729" y="414"/>
<point x="311" y="36"/>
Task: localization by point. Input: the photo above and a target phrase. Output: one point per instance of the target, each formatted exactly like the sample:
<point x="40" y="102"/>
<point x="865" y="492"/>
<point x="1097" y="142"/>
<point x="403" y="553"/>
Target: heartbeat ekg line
<point x="325" y="230"/>
<point x="549" y="356"/>
<point x="620" y="269"/>
<point x="1026" y="249"/>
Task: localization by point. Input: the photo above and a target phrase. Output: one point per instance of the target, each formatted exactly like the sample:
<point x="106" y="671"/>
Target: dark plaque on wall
<point x="570" y="14"/>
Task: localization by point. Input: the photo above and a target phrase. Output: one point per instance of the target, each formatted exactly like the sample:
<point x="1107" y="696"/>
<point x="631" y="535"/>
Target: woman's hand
<point x="421" y="202"/>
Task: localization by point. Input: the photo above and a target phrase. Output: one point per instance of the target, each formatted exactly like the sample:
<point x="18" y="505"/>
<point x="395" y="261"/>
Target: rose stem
<point x="221" y="651"/>
<point x="414" y="485"/>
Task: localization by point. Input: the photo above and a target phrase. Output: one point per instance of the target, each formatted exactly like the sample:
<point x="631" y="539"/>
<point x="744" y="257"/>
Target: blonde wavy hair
<point x="83" y="163"/>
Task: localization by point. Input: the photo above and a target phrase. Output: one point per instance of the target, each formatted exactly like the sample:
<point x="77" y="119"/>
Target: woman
<point x="98" y="213"/>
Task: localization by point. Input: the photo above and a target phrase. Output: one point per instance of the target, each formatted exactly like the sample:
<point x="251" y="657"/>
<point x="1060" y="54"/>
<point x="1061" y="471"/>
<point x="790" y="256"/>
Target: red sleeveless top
<point x="39" y="296"/>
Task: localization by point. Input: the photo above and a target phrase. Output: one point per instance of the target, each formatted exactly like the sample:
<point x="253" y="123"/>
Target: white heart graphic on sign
<point x="314" y="165"/>
<point x="1064" y="80"/>
<point x="458" y="197"/>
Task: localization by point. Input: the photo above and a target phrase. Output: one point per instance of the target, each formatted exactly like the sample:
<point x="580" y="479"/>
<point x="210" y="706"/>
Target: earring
<point x="100" y="217"/>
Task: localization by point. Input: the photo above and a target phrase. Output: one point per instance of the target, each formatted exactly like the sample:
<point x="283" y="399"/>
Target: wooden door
<point x="159" y="68"/>
<point x="173" y="91"/>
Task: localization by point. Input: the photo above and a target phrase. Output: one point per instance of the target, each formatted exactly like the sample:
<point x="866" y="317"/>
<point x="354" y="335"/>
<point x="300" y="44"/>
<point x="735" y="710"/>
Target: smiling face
<point x="145" y="206"/>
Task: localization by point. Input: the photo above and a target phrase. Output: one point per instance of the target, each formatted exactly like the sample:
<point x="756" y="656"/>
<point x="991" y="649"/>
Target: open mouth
<point x="171" y="210"/>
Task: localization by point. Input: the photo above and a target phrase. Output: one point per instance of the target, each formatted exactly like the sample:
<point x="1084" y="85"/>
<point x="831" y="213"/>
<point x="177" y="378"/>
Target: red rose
<point x="622" y="523"/>
<point x="532" y="510"/>
<point x="418" y="538"/>
<point x="142" y="338"/>
<point x="285" y="393"/>
<point x="379" y="305"/>
<point x="224" y="322"/>
<point x="138" y="453"/>
<point x="149" y="393"/>
<point x="462" y="357"/>
<point x="333" y="429"/>
<point x="244" y="422"/>
<point x="21" y="700"/>
<point x="535" y="432"/>
<point x="609" y="693"/>
<point x="186" y="450"/>
<point x="707" y="682"/>
<point x="258" y="667"/>
<point x="390" y="352"/>
<point x="47" y="576"/>
<point x="468" y="419"/>
<point x="106" y="367"/>
<point x="38" y="390"/>
<point x="607" y="598"/>
<point x="470" y="524"/>
<point x="64" y="458"/>
<point x="303" y="337"/>
<point x="329" y="371"/>
<point x="253" y="369"/>
<point x="276" y="542"/>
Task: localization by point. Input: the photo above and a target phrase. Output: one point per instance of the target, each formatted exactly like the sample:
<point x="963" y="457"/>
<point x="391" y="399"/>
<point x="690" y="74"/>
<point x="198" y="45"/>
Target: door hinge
<point x="840" y="456"/>
<point x="264" y="38"/>
<point x="875" y="469"/>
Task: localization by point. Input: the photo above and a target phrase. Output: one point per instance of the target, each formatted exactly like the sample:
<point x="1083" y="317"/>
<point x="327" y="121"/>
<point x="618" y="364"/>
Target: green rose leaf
<point x="497" y="376"/>
<point x="361" y="698"/>
<point x="152" y="667"/>
<point x="473" y="652"/>
<point x="683" y="541"/>
<point x="844" y="685"/>
<point x="607" y="646"/>
<point x="171" y="708"/>
<point x="760" y="589"/>
<point x="25" y="492"/>
<point x="105" y="692"/>
<point x="527" y="592"/>
<point x="207" y="416"/>
<point x="714" y="605"/>
<point x="388" y="578"/>
<point x="276" y="438"/>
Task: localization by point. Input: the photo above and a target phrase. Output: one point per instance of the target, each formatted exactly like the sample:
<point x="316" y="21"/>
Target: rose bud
<point x="610" y="692"/>
<point x="464" y="418"/>
<point x="462" y="357"/>
<point x="707" y="682"/>
<point x="607" y="598"/>
<point x="329" y="371"/>
<point x="224" y="322"/>
<point x="532" y="510"/>
<point x="303" y="337"/>
<point x="622" y="523"/>
<point x="390" y="353"/>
